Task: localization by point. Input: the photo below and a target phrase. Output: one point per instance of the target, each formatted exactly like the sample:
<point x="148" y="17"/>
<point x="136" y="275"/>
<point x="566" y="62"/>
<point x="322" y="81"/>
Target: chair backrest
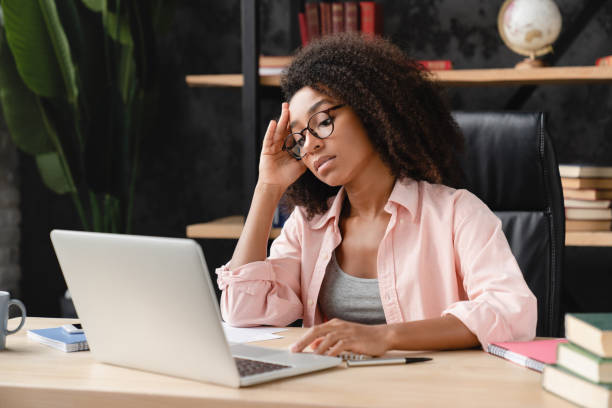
<point x="510" y="164"/>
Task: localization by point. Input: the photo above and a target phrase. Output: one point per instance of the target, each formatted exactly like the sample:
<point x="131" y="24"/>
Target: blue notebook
<point x="57" y="338"/>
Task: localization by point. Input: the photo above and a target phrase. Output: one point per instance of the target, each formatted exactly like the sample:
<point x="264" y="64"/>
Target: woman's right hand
<point x="276" y="166"/>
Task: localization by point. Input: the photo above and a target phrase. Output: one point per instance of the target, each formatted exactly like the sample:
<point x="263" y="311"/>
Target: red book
<point x="303" y="29"/>
<point x="337" y="17"/>
<point x="312" y="21"/>
<point x="371" y="17"/>
<point x="351" y="17"/>
<point x="604" y="61"/>
<point x="326" y="18"/>
<point x="436" y="65"/>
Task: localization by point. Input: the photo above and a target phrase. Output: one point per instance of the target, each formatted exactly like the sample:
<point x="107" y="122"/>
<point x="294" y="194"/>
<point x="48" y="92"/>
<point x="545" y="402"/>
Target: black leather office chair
<point x="509" y="163"/>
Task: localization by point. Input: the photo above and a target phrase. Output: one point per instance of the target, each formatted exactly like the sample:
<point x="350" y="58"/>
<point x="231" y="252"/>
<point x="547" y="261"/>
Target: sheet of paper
<point x="249" y="334"/>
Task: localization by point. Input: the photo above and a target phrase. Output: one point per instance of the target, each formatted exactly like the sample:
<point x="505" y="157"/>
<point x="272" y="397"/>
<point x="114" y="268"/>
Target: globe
<point x="529" y="27"/>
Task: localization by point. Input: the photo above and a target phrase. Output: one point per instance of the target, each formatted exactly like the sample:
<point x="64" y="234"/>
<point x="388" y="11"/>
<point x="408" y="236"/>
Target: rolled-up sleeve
<point x="265" y="292"/>
<point x="500" y="305"/>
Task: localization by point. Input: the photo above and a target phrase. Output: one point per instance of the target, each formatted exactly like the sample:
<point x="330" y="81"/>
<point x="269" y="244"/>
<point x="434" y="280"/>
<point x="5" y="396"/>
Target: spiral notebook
<point x="57" y="338"/>
<point x="531" y="354"/>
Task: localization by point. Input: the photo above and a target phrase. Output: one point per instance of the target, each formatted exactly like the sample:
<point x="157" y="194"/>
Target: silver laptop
<point x="148" y="303"/>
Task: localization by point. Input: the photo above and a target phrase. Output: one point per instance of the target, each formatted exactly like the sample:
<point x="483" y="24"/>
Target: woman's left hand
<point x="336" y="336"/>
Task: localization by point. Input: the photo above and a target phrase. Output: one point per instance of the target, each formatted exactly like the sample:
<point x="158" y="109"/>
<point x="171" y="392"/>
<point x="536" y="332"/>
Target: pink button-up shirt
<point x="443" y="252"/>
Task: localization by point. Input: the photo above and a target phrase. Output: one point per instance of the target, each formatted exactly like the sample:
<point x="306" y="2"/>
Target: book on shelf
<point x="575" y="388"/>
<point x="351" y="17"/>
<point x="337" y="10"/>
<point x="312" y="20"/>
<point x="268" y="71"/>
<point x="531" y="354"/>
<point x="326" y="17"/>
<point x="436" y="65"/>
<point x="587" y="194"/>
<point x="585" y="170"/>
<point x="578" y="183"/>
<point x="588" y="225"/>
<point x="371" y="16"/>
<point x="572" y="203"/>
<point x="591" y="331"/>
<point x="588" y="213"/>
<point x="604" y="61"/>
<point x="303" y="28"/>
<point x="584" y="363"/>
<point x="58" y="338"/>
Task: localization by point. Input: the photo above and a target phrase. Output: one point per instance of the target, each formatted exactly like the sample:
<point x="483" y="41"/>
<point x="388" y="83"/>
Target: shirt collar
<point x="405" y="193"/>
<point x="319" y="220"/>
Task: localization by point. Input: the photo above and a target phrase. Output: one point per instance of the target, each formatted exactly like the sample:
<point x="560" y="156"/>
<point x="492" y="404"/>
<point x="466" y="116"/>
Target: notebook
<point x="531" y="354"/>
<point x="148" y="303"/>
<point x="57" y="337"/>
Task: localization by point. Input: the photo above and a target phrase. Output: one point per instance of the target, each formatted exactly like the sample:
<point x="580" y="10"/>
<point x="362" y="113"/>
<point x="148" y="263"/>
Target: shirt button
<point x="311" y="302"/>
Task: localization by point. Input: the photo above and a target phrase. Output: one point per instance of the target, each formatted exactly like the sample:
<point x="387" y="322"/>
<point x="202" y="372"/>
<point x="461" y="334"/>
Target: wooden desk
<point x="33" y="375"/>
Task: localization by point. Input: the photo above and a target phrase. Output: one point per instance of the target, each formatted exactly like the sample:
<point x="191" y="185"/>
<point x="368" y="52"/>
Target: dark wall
<point x="192" y="162"/>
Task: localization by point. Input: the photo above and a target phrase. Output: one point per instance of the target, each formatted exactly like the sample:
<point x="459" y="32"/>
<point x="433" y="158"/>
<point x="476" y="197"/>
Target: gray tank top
<point x="350" y="298"/>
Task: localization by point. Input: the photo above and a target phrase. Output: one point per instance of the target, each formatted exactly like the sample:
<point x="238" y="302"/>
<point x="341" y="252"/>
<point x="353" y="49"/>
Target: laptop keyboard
<point x="251" y="367"/>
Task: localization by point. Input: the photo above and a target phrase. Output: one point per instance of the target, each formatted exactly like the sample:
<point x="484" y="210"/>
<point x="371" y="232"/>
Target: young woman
<point x="378" y="253"/>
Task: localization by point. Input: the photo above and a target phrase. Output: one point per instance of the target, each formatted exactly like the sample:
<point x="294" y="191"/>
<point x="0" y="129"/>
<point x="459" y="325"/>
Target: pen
<point x="385" y="361"/>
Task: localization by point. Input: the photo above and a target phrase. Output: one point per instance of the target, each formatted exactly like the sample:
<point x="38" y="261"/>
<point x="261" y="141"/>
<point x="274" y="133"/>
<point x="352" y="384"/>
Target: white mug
<point x="5" y="303"/>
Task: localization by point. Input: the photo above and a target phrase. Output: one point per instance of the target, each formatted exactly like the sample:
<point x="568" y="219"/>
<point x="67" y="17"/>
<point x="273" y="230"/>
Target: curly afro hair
<point x="401" y="108"/>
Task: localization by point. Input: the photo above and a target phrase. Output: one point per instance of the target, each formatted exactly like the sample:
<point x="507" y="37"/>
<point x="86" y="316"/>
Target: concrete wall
<point x="192" y="164"/>
<point x="10" y="216"/>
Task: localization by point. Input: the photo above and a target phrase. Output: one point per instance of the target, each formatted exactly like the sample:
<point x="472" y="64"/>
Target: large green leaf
<point x="127" y="73"/>
<point x="21" y="112"/>
<point x="28" y="38"/>
<point x="61" y="47"/>
<point x="118" y="28"/>
<point x="95" y="5"/>
<point x="53" y="173"/>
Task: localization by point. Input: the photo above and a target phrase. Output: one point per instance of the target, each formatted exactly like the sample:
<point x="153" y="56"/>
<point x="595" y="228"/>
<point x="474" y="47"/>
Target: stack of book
<point x="587" y="191"/>
<point x="328" y="17"/>
<point x="58" y="338"/>
<point x="583" y="372"/>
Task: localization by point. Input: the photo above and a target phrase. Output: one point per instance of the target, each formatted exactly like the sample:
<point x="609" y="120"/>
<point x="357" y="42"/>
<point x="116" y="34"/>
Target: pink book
<point x="531" y="354"/>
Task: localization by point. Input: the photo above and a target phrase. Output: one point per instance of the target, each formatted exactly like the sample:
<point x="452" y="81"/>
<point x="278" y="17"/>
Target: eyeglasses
<point x="320" y="125"/>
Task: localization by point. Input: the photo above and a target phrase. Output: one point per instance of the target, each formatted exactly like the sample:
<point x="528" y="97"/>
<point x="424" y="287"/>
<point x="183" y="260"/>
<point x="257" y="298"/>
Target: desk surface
<point x="32" y="374"/>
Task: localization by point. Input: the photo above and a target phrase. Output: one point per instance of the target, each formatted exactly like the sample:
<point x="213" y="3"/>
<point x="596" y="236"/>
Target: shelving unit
<point x="231" y="227"/>
<point x="228" y="227"/>
<point x="456" y="77"/>
<point x="251" y="81"/>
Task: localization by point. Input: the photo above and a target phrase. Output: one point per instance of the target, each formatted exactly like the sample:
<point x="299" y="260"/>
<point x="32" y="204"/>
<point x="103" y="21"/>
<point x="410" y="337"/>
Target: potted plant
<point x="78" y="88"/>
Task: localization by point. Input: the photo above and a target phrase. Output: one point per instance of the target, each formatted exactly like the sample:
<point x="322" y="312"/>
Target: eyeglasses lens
<point x="294" y="143"/>
<point x="320" y="125"/>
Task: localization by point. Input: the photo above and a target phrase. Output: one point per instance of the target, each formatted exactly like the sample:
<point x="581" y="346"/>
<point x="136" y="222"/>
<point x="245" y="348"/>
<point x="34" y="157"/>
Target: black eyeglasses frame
<point x="312" y="131"/>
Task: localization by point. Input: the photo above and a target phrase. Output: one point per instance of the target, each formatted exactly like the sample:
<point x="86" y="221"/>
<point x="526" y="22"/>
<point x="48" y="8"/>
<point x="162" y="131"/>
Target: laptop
<point x="148" y="303"/>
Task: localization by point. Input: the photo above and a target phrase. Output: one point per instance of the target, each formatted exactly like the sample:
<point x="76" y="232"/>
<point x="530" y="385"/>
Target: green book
<point x="584" y="363"/>
<point x="577" y="389"/>
<point x="592" y="331"/>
